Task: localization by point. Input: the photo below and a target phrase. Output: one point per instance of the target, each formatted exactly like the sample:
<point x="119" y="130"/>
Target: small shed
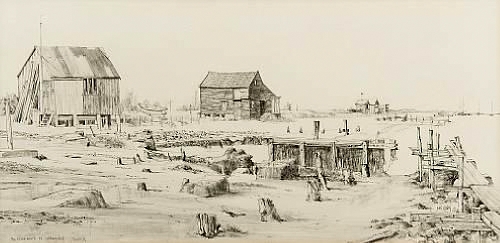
<point x="237" y="95"/>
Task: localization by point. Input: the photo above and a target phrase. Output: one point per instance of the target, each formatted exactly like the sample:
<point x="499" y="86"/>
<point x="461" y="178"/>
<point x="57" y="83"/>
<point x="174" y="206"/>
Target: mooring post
<point x="431" y="162"/>
<point x="316" y="129"/>
<point x="346" y="129"/>
<point x="420" y="150"/>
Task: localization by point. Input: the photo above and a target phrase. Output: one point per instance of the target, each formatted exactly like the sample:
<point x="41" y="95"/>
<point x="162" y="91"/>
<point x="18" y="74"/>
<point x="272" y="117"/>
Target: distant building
<point x="237" y="95"/>
<point x="367" y="107"/>
<point x="79" y="85"/>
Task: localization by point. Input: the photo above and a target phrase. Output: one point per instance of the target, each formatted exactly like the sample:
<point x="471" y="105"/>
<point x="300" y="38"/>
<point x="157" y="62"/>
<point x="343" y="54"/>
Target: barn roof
<point x="228" y="80"/>
<point x="76" y="62"/>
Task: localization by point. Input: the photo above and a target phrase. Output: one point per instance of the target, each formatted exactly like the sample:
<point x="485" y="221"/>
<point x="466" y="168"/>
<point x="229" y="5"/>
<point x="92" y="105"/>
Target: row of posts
<point x="433" y="150"/>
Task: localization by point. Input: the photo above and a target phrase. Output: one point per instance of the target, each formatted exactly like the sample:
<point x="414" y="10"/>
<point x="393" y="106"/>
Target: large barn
<point x="237" y="95"/>
<point x="80" y="86"/>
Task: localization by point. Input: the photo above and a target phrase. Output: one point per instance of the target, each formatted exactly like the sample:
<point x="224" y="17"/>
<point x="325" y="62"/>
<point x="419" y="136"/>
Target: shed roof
<point x="76" y="62"/>
<point x="228" y="80"/>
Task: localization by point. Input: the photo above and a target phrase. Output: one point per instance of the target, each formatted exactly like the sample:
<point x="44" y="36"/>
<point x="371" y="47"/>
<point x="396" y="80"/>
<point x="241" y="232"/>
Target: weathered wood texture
<point x="239" y="103"/>
<point x="261" y="98"/>
<point x="267" y="210"/>
<point x="207" y="225"/>
<point x="222" y="102"/>
<point x="313" y="190"/>
<point x="105" y="101"/>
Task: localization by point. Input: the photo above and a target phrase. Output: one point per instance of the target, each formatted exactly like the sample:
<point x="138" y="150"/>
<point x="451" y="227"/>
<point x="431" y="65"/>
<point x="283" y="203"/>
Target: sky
<point x="317" y="54"/>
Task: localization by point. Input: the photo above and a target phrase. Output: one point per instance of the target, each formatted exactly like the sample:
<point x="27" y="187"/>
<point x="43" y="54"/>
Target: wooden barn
<point x="79" y="86"/>
<point x="237" y="95"/>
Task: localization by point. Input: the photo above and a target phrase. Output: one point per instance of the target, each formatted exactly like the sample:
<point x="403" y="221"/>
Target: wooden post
<point x="461" y="187"/>
<point x="8" y="124"/>
<point x="316" y="129"/>
<point x="365" y="169"/>
<point x="190" y="114"/>
<point x="431" y="161"/>
<point x="302" y="154"/>
<point x="420" y="150"/>
<point x="270" y="150"/>
<point x="346" y="129"/>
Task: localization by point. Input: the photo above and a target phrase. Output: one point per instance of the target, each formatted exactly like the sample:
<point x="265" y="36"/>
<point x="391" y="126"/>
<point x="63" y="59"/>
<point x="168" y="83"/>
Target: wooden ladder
<point x="46" y="119"/>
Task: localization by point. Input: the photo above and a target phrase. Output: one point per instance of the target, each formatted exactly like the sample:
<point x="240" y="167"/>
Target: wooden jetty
<point x="471" y="183"/>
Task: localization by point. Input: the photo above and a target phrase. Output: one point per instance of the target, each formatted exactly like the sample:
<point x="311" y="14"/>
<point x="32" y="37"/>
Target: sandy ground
<point x="30" y="191"/>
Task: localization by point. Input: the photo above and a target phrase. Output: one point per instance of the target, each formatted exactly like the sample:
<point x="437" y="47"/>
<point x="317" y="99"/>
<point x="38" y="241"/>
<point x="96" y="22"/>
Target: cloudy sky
<point x="323" y="54"/>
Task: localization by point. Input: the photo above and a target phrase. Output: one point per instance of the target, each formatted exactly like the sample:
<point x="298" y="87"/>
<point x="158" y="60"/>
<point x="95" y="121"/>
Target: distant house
<point x="79" y="85"/>
<point x="367" y="107"/>
<point x="237" y="95"/>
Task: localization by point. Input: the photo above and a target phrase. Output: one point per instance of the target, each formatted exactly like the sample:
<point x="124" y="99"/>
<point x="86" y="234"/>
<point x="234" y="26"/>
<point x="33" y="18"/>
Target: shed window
<point x="90" y="86"/>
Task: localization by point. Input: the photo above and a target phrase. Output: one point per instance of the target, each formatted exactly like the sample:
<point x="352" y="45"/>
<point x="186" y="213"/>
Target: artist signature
<point x="48" y="238"/>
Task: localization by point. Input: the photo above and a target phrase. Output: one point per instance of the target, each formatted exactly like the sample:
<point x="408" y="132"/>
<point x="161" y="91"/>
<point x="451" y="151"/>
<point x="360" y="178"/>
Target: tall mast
<point x="40" y="77"/>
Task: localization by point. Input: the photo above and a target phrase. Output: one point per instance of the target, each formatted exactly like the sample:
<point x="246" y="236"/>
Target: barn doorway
<point x="262" y="107"/>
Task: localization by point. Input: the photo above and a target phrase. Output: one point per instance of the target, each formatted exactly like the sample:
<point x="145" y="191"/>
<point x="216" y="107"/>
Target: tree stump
<point x="185" y="181"/>
<point x="119" y="161"/>
<point x="207" y="225"/>
<point x="267" y="210"/>
<point x="137" y="159"/>
<point x="147" y="170"/>
<point x="142" y="187"/>
<point x="313" y="192"/>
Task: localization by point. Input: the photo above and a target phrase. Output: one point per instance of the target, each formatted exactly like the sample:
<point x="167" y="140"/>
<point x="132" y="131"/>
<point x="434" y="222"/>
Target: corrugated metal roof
<point x="76" y="62"/>
<point x="228" y="80"/>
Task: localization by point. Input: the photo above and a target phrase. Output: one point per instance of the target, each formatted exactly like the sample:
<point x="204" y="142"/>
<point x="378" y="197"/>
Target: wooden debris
<point x="147" y="170"/>
<point x="207" y="225"/>
<point x="379" y="236"/>
<point x="313" y="190"/>
<point x="267" y="210"/>
<point x="141" y="186"/>
<point x="233" y="214"/>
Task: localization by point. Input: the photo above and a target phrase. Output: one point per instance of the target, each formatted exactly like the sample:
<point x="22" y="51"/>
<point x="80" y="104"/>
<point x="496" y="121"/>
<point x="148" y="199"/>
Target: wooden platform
<point x="18" y="153"/>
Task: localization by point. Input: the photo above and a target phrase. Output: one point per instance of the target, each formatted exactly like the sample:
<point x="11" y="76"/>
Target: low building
<point x="237" y="95"/>
<point x="357" y="154"/>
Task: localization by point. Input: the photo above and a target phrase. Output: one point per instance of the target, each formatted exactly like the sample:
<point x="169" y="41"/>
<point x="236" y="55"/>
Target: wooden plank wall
<point x="68" y="97"/>
<point x="257" y="93"/>
<point x="211" y="103"/>
<point x="28" y="82"/>
<point x="105" y="101"/>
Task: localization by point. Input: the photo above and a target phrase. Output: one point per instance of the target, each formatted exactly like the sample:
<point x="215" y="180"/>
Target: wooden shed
<point x="237" y="95"/>
<point x="79" y="86"/>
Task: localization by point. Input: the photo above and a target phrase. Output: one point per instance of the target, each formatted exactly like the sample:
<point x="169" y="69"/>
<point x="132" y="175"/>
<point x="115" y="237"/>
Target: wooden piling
<point x="420" y="150"/>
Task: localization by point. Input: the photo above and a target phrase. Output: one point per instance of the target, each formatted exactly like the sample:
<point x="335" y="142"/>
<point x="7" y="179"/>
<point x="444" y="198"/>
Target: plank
<point x="492" y="219"/>
<point x="489" y="195"/>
